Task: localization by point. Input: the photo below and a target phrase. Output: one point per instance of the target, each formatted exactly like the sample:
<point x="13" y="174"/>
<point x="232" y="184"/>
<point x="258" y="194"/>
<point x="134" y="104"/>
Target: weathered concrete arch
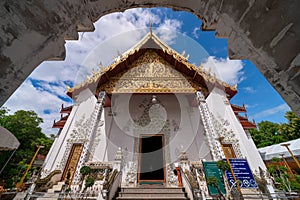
<point x="267" y="32"/>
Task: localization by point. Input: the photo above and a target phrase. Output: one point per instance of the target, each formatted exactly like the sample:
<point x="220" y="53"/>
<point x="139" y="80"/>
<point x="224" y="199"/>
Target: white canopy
<point x="7" y="140"/>
<point x="276" y="150"/>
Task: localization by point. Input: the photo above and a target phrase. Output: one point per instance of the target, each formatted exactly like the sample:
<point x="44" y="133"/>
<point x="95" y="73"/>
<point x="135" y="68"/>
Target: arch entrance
<point x="265" y="32"/>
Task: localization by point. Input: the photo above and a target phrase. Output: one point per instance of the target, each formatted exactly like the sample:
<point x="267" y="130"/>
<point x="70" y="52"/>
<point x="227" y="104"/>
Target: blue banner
<point x="242" y="172"/>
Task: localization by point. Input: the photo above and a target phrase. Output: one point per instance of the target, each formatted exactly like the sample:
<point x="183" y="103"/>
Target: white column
<point x="211" y="134"/>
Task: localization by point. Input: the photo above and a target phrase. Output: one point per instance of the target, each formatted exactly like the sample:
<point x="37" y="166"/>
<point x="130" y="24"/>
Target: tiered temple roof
<point x="243" y="119"/>
<point x="198" y="74"/>
<point x="63" y="119"/>
<point x="238" y="109"/>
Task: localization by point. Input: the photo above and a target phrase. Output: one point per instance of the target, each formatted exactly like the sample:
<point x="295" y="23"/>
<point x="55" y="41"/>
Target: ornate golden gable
<point x="150" y="73"/>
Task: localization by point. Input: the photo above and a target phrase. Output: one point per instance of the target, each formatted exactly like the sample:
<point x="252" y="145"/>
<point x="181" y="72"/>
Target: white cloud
<point x="229" y="71"/>
<point x="265" y="113"/>
<point x="44" y="91"/>
<point x="250" y="90"/>
<point x="28" y="97"/>
<point x="167" y="30"/>
<point x="195" y="34"/>
<point x="248" y="106"/>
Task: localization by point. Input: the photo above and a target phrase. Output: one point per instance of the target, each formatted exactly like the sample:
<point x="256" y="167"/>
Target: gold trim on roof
<point x="179" y="57"/>
<point x="150" y="73"/>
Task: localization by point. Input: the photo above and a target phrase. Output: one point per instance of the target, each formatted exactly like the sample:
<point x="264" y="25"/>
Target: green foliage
<point x="275" y="159"/>
<point x="223" y="165"/>
<point x="282" y="179"/>
<point x="295" y="183"/>
<point x="292" y="129"/>
<point x="89" y="182"/>
<point x="213" y="181"/>
<point x="25" y="125"/>
<point x="269" y="133"/>
<point x="85" y="170"/>
<point x="68" y="190"/>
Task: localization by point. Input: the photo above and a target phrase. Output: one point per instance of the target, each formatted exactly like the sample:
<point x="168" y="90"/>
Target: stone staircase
<point x="153" y="193"/>
<point x="57" y="187"/>
<point x="53" y="193"/>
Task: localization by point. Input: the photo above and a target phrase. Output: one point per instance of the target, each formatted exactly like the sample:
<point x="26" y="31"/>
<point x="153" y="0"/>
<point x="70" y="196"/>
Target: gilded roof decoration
<point x="154" y="86"/>
<point x="150" y="74"/>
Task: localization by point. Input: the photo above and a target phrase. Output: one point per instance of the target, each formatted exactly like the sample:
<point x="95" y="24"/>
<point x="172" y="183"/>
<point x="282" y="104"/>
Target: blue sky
<point x="44" y="91"/>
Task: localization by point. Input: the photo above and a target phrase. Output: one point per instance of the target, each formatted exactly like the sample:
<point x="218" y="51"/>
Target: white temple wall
<point x="51" y="154"/>
<point x="184" y="127"/>
<point x="221" y="108"/>
<point x="53" y="157"/>
<point x="115" y="136"/>
<point x="82" y="110"/>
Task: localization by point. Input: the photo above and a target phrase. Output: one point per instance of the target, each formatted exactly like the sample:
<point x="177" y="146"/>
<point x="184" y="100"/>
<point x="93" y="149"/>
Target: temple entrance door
<point x="72" y="162"/>
<point x="151" y="160"/>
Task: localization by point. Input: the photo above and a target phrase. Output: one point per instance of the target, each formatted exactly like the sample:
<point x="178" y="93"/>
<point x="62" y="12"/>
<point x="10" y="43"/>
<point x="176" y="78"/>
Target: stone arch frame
<point x="265" y="32"/>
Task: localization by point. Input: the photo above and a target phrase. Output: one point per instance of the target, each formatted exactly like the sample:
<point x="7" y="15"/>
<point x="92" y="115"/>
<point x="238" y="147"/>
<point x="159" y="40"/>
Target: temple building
<point x="150" y="120"/>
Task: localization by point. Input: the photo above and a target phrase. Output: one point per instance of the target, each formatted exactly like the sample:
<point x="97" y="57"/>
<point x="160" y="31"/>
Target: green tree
<point x="85" y="170"/>
<point x="25" y="125"/>
<point x="266" y="134"/>
<point x="280" y="176"/>
<point x="214" y="182"/>
<point x="89" y="182"/>
<point x="292" y="129"/>
<point x="282" y="179"/>
<point x="269" y="133"/>
<point x="223" y="166"/>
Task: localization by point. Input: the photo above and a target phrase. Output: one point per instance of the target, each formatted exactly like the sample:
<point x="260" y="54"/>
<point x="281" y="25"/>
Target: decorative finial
<point x="209" y="70"/>
<point x="101" y="68"/>
<point x="183" y="53"/>
<point x="119" y="54"/>
<point x="200" y="68"/>
<point x="215" y="76"/>
<point x="187" y="57"/>
<point x="88" y="78"/>
<point x="119" y="154"/>
<point x="151" y="26"/>
<point x="93" y="72"/>
<point x="181" y="147"/>
<point x="69" y="88"/>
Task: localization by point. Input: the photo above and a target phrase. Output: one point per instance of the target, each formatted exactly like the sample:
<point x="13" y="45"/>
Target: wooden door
<point x="72" y="162"/>
<point x="151" y="159"/>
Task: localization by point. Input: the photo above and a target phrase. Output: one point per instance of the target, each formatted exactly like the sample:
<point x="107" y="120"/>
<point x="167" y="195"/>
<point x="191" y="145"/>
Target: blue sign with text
<point x="242" y="172"/>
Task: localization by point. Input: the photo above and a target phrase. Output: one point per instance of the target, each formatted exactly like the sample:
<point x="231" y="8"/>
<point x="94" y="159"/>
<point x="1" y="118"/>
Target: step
<point x="51" y="190"/>
<point x="134" y="194"/>
<point x="49" y="197"/>
<point x="152" y="193"/>
<point x="57" y="188"/>
<point x="153" y="198"/>
<point x="20" y="196"/>
<point x="60" y="183"/>
<point x="152" y="190"/>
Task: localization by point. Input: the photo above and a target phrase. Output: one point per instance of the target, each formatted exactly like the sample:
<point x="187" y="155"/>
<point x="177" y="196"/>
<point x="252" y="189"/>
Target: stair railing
<point x="45" y="180"/>
<point x="187" y="186"/>
<point x="115" y="183"/>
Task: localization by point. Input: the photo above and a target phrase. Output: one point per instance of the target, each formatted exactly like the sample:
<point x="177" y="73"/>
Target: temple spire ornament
<point x="151" y="26"/>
